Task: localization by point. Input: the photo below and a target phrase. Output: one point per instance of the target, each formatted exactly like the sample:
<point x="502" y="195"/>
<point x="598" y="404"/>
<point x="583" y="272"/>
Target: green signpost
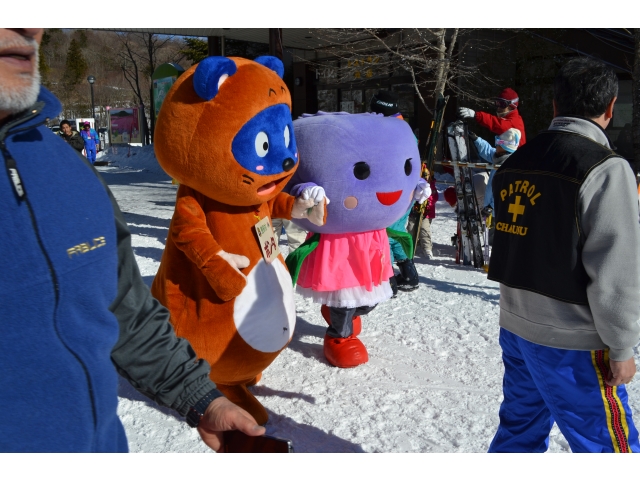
<point x="163" y="79"/>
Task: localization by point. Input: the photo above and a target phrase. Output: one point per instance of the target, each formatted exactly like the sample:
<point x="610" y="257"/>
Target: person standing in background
<point x="566" y="252"/>
<point x="385" y="102"/>
<point x="91" y="141"/>
<point x="425" y="244"/>
<point x="72" y="138"/>
<point x="295" y="235"/>
<point x="507" y="115"/>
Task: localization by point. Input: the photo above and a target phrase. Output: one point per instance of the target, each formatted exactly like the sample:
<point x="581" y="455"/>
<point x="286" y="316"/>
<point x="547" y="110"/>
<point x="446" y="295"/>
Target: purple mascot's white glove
<point x="309" y="203"/>
<point x="422" y="191"/>
<point x="315" y="193"/>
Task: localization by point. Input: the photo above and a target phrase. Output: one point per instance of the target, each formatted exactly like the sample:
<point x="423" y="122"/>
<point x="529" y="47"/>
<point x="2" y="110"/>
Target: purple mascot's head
<point x="368" y="164"/>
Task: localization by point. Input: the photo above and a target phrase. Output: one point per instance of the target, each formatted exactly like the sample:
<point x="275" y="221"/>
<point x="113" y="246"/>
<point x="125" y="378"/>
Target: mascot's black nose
<point x="288" y="164"/>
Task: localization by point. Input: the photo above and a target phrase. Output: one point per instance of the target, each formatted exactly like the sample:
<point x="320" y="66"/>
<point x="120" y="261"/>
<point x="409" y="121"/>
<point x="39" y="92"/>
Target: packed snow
<point x="434" y="379"/>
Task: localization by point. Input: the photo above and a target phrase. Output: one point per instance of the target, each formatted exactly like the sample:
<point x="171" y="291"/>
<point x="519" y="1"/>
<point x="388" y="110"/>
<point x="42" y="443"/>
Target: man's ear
<point x="608" y="113"/>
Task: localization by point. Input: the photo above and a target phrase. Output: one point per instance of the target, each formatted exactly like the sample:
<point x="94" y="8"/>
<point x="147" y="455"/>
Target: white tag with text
<point x="267" y="240"/>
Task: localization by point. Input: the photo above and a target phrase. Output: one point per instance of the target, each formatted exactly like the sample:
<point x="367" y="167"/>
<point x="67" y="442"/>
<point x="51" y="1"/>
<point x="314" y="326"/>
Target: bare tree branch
<point x="432" y="58"/>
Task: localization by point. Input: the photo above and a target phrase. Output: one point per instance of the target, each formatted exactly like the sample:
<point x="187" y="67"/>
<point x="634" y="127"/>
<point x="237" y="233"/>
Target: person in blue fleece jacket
<point x="75" y="311"/>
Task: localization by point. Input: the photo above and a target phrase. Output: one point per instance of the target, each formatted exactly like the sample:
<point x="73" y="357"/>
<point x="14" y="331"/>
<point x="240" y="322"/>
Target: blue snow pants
<point x="543" y="384"/>
<point x="91" y="154"/>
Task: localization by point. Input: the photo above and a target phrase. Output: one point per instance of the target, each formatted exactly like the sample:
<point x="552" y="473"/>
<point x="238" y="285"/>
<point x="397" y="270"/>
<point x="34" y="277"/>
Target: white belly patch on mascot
<point x="265" y="312"/>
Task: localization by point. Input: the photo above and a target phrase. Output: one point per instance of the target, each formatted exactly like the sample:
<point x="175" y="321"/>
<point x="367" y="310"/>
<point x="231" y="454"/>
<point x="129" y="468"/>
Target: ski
<point x="486" y="225"/>
<point x="486" y="166"/>
<point x="470" y="250"/>
<point x="433" y="141"/>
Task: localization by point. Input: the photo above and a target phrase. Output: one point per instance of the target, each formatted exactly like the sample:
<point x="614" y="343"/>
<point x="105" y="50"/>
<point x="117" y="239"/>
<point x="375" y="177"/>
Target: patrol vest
<point x="538" y="240"/>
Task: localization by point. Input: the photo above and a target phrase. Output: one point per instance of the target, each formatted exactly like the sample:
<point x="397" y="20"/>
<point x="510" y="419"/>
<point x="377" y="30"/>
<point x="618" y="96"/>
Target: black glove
<point x="472" y="136"/>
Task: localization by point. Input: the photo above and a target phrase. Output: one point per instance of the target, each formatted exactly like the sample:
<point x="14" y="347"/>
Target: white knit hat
<point x="509" y="140"/>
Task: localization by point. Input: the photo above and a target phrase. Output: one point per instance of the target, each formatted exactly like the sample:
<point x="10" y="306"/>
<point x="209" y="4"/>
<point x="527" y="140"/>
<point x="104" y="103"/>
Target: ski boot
<point x="394" y="286"/>
<point x="408" y="277"/>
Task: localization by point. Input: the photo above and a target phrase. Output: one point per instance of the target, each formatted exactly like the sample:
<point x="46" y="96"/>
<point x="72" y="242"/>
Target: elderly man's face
<point x="19" y="76"/>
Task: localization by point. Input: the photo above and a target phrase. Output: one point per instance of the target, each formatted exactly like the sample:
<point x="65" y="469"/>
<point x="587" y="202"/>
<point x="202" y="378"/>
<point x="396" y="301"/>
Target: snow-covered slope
<point x="433" y="382"/>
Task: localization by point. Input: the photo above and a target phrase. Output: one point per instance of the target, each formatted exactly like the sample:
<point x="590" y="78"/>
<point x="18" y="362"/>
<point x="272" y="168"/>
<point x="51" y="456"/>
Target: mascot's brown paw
<point x="357" y="321"/>
<point x="242" y="397"/>
<point x="255" y="381"/>
<point x="225" y="279"/>
<point x="345" y="352"/>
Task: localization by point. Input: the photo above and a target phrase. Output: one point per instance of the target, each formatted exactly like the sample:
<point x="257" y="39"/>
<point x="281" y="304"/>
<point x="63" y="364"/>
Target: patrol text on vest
<point x="521" y="186"/>
<point x="87" y="247"/>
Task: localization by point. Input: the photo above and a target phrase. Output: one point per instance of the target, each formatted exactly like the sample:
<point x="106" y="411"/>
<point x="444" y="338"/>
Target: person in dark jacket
<point x="72" y="138"/>
<point x="506" y="117"/>
<point x="386" y="102"/>
<point x="566" y="252"/>
<point x="75" y="311"/>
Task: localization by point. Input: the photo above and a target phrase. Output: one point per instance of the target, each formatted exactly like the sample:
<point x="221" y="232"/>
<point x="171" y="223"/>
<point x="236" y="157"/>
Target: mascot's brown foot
<point x="242" y="397"/>
<point x="345" y="352"/>
<point x="357" y="321"/>
<point x="255" y="381"/>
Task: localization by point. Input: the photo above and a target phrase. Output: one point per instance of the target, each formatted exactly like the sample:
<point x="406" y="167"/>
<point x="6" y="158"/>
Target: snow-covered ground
<point x="433" y="381"/>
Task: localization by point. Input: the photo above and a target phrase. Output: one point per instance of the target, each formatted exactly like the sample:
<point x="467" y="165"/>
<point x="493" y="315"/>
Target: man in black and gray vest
<point x="567" y="255"/>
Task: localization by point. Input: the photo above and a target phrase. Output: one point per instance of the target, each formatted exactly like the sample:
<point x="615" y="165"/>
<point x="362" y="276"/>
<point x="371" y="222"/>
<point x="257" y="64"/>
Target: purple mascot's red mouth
<point x="388" y="198"/>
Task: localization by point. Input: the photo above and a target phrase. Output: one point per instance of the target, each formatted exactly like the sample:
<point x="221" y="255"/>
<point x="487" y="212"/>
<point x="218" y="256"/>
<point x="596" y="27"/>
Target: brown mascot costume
<point x="225" y="134"/>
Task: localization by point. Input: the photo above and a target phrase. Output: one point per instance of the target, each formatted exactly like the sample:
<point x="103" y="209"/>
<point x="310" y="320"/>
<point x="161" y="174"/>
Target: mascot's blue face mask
<point x="265" y="145"/>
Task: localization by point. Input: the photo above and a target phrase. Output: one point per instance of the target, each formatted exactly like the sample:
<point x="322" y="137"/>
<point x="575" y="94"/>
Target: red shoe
<point x="345" y="352"/>
<point x="357" y="321"/>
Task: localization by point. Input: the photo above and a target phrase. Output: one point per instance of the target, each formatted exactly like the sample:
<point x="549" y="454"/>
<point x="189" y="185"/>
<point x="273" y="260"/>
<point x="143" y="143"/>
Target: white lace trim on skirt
<point x="349" y="297"/>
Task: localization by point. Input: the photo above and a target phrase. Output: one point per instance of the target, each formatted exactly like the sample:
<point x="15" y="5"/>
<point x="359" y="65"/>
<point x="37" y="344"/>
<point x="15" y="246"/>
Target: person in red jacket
<point x="506" y="117"/>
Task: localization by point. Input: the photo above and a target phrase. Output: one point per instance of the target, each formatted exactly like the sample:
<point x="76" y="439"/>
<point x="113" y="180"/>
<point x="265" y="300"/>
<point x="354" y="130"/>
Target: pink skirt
<point x="348" y="270"/>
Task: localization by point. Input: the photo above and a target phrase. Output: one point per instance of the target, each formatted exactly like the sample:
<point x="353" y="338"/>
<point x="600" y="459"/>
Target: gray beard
<point x="15" y="100"/>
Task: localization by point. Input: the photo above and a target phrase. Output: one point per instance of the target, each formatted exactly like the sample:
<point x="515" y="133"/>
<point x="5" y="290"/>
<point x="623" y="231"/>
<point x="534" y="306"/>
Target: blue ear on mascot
<point x="213" y="71"/>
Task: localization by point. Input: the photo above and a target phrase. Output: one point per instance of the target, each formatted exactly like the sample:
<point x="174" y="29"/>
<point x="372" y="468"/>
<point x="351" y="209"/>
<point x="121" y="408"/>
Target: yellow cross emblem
<point x="516" y="208"/>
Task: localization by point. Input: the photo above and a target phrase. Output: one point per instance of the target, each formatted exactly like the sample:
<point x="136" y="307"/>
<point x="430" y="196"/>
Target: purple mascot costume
<point x="369" y="167"/>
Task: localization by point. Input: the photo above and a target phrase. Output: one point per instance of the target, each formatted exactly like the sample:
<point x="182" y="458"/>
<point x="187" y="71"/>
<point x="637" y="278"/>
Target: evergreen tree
<point x="81" y="36"/>
<point x="76" y="67"/>
<point x="195" y="49"/>
<point x="43" y="66"/>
